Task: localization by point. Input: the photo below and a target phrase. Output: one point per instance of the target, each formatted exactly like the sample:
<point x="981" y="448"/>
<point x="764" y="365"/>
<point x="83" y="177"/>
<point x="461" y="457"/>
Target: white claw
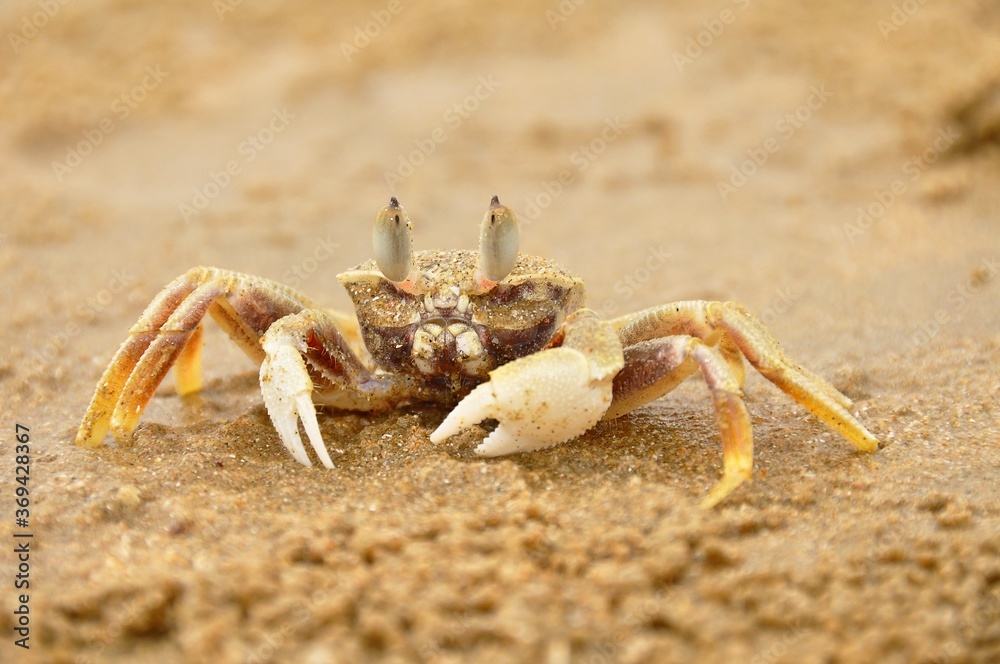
<point x="308" y="414"/>
<point x="287" y="389"/>
<point x="475" y="407"/>
<point x="539" y="400"/>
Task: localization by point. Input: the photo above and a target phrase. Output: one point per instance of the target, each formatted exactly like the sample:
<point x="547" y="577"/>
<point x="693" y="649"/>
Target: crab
<point x="497" y="334"/>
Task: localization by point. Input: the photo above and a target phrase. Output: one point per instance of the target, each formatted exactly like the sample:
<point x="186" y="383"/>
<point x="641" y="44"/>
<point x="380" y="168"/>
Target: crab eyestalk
<point x="392" y="241"/>
<point x="498" y="240"/>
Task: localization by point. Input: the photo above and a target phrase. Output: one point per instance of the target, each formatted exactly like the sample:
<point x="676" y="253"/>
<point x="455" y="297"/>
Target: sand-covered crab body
<point x="498" y="334"/>
<point x="445" y="329"/>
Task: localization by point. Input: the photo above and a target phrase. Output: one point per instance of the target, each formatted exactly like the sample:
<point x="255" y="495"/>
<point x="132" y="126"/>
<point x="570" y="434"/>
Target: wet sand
<point x="832" y="167"/>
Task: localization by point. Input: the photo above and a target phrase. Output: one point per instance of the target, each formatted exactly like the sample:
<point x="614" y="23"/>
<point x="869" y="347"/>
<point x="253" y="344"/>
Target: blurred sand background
<point x="834" y="166"/>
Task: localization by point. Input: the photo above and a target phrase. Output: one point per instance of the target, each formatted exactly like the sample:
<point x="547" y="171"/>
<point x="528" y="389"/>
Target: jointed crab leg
<point x="732" y="328"/>
<point x="725" y="323"/>
<point x="715" y="321"/>
<point x="653" y="368"/>
<point x="169" y="332"/>
<point x="187" y="366"/>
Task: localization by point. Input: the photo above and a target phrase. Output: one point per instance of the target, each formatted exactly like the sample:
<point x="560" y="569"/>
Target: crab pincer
<point x="547" y="398"/>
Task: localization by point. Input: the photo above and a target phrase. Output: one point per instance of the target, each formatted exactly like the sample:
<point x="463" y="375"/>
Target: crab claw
<point x="287" y="391"/>
<point x="540" y="400"/>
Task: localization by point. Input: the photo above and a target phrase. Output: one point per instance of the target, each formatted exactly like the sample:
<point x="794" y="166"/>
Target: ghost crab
<point x="501" y="334"/>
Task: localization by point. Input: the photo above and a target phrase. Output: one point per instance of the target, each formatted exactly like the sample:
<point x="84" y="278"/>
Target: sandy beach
<point x="833" y="167"/>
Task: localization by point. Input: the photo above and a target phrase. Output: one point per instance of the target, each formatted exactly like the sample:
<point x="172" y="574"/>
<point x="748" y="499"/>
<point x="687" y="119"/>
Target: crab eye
<point x="498" y="241"/>
<point x="392" y="241"/>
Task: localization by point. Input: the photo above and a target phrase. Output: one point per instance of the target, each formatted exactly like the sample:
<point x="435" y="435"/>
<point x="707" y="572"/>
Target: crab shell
<point x="445" y="326"/>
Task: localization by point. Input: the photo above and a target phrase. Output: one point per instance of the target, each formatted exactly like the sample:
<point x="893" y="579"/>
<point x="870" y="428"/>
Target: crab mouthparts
<point x="449" y="346"/>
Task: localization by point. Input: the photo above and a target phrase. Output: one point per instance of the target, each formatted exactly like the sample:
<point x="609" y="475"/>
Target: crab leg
<point x="308" y="348"/>
<point x="546" y="398"/>
<point x="169" y="332"/>
<point x="728" y="323"/>
<point x="187" y="366"/>
<point x="653" y="368"/>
